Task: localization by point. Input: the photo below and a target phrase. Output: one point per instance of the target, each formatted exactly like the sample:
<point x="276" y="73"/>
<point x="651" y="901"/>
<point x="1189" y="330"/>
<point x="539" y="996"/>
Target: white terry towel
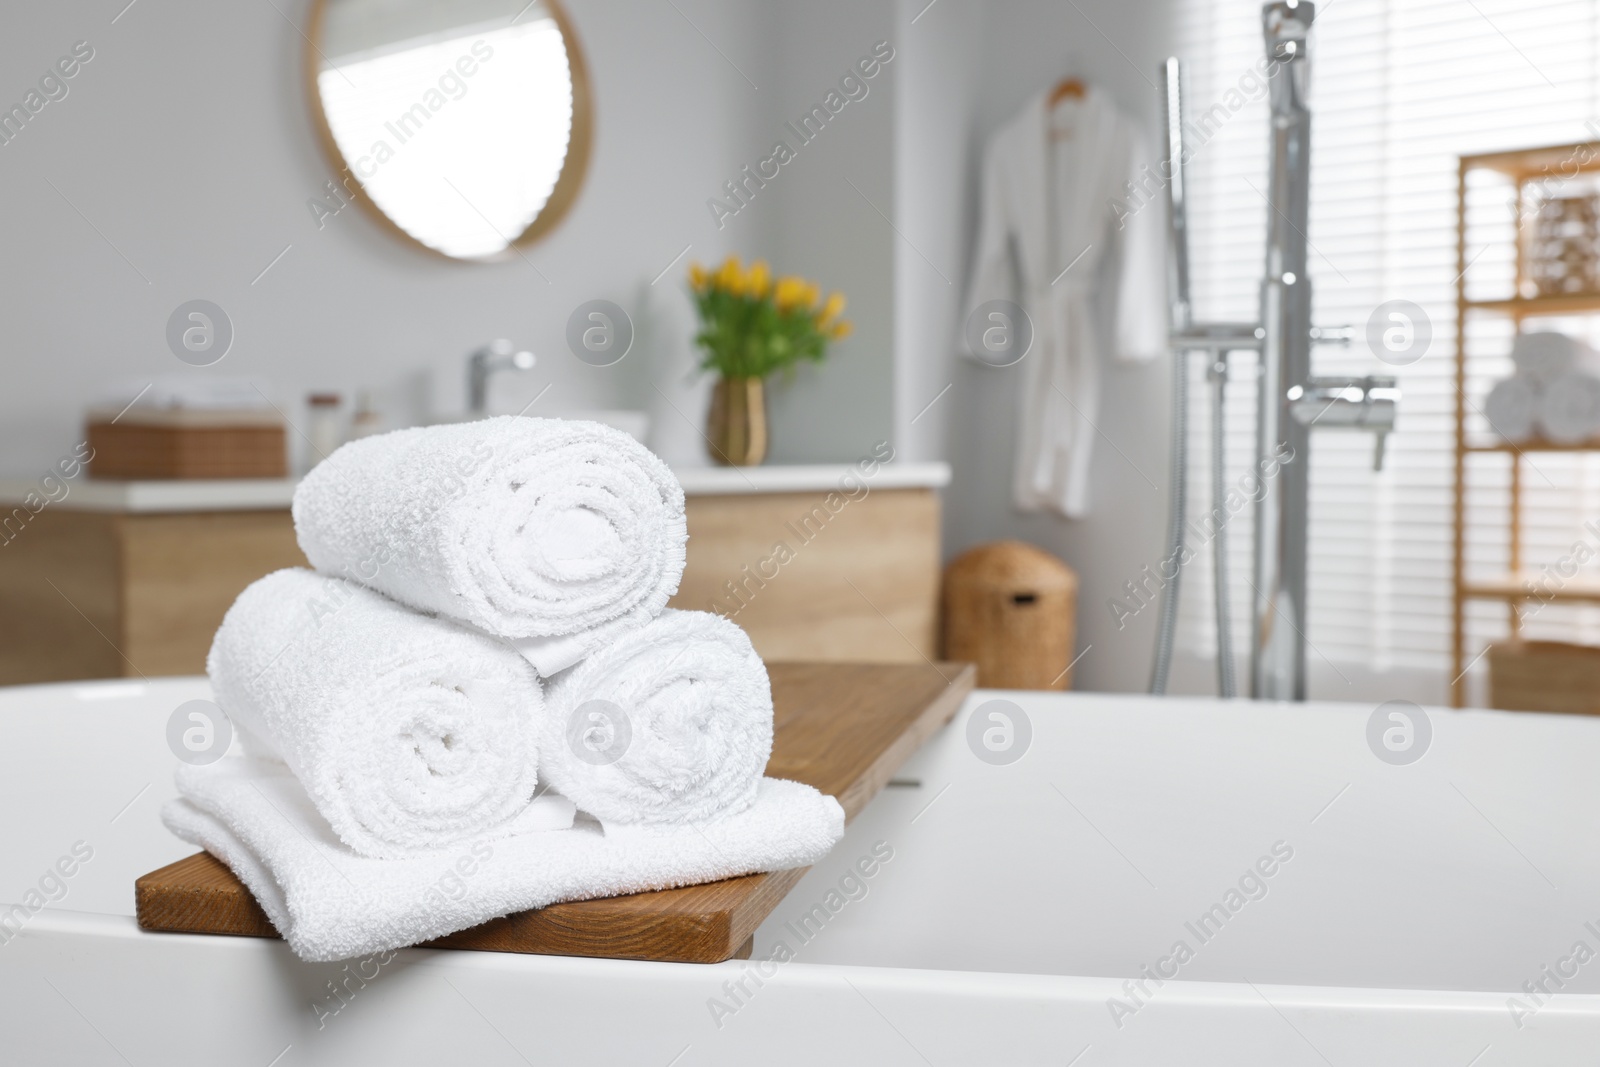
<point x="409" y="732"/>
<point x="670" y="723"/>
<point x="331" y="904"/>
<point x="1511" y="408"/>
<point x="560" y="532"/>
<point x="1543" y="354"/>
<point x="1569" y="407"/>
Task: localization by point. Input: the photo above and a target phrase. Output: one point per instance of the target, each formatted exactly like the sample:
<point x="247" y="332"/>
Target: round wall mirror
<point x="462" y="124"/>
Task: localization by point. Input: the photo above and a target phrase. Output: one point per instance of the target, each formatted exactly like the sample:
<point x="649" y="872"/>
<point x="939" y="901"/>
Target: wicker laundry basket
<point x="1010" y="607"/>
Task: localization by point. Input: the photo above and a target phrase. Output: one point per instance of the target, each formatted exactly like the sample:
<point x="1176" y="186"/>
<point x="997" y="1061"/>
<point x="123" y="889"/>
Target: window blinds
<point x="1399" y="90"/>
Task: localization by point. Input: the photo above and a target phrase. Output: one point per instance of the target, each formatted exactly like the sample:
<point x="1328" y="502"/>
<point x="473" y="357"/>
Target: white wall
<point x="185" y="142"/>
<point x="827" y="218"/>
<point x="936" y="157"/>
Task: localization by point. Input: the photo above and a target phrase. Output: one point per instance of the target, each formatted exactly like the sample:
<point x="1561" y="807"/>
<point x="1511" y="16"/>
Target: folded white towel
<point x="409" y="732"/>
<point x="1569" y="407"/>
<point x="563" y="532"/>
<point x="1512" y="407"/>
<point x="331" y="904"/>
<point x="670" y="723"/>
<point x="1543" y="354"/>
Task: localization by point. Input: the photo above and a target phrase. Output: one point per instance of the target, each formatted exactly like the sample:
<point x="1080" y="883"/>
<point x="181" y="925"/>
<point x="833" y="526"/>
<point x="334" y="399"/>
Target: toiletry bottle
<point x="367" y="419"/>
<point x="324" y="432"/>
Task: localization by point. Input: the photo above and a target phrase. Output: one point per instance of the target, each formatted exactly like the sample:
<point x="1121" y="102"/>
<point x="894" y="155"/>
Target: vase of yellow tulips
<point x="751" y="326"/>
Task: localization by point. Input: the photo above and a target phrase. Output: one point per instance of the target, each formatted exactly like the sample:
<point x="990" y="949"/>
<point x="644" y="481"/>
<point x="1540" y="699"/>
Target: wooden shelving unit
<point x="1523" y="306"/>
<point x="1515" y="587"/>
<point x="1522" y="167"/>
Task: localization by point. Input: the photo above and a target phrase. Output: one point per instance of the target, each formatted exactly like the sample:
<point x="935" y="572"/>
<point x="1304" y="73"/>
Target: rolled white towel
<point x="1543" y="354"/>
<point x="1569" y="408"/>
<point x="671" y="723"/>
<point x="1512" y="407"/>
<point x="409" y="732"/>
<point x="561" y="533"/>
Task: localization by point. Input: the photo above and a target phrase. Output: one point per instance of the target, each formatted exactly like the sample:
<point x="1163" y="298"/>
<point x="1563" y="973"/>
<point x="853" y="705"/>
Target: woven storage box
<point x="1011" y="608"/>
<point x="1564" y="246"/>
<point x="161" y="444"/>
<point x="1544" y="676"/>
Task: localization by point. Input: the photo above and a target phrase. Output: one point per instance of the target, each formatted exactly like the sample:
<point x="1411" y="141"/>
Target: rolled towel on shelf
<point x="1544" y="354"/>
<point x="1512" y="408"/>
<point x="410" y="733"/>
<point x="1569" y="408"/>
<point x="557" y="534"/>
<point x="668" y="724"/>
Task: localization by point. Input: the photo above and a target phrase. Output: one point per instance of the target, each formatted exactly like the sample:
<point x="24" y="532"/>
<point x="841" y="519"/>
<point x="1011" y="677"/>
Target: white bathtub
<point x="1017" y="903"/>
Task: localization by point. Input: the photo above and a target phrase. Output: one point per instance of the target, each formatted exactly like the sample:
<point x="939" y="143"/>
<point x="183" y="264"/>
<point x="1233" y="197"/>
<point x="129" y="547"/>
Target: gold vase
<point x="736" y="428"/>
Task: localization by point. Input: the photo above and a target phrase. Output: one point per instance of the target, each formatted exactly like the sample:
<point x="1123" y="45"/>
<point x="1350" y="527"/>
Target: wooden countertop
<point x="263" y="494"/>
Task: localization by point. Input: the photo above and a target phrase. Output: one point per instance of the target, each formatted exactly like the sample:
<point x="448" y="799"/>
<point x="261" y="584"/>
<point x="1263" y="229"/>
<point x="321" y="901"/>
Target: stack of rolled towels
<point x="479" y="703"/>
<point x="1554" y="392"/>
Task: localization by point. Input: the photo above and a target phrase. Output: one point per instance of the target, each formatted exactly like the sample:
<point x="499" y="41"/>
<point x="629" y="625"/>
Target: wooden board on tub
<point x="844" y="728"/>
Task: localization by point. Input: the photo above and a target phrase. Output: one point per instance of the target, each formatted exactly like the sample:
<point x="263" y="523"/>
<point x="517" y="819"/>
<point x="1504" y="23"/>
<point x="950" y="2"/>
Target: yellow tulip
<point x="729" y="276"/>
<point x="813" y="294"/>
<point x="789" y="293"/>
<point x="698" y="276"/>
<point x="757" y="281"/>
<point x="840" y="330"/>
<point x="831" y="309"/>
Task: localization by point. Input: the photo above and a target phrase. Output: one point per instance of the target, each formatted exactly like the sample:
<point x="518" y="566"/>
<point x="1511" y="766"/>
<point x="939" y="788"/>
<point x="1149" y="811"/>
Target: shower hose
<point x="1173" y="559"/>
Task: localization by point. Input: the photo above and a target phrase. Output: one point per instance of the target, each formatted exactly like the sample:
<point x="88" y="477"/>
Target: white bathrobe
<point x="1046" y="201"/>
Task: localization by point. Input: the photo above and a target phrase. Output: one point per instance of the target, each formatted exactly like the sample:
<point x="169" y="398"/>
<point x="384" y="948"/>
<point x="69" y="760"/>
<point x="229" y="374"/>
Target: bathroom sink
<point x="977" y="911"/>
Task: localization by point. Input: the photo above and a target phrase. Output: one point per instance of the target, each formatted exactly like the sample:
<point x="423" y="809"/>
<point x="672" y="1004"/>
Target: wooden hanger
<point x="1067" y="87"/>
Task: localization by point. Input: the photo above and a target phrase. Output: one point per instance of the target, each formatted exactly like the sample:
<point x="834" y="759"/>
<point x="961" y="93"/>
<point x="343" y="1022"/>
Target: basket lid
<point x="1011" y="563"/>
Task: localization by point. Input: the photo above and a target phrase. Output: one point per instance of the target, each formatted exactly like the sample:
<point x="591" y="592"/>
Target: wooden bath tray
<point x="844" y="728"/>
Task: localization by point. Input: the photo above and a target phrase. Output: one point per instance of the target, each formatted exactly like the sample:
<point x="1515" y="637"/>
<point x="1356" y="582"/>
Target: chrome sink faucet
<point x="499" y="354"/>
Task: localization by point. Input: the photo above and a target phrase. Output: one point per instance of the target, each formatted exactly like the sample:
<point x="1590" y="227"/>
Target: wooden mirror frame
<point x="568" y="183"/>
